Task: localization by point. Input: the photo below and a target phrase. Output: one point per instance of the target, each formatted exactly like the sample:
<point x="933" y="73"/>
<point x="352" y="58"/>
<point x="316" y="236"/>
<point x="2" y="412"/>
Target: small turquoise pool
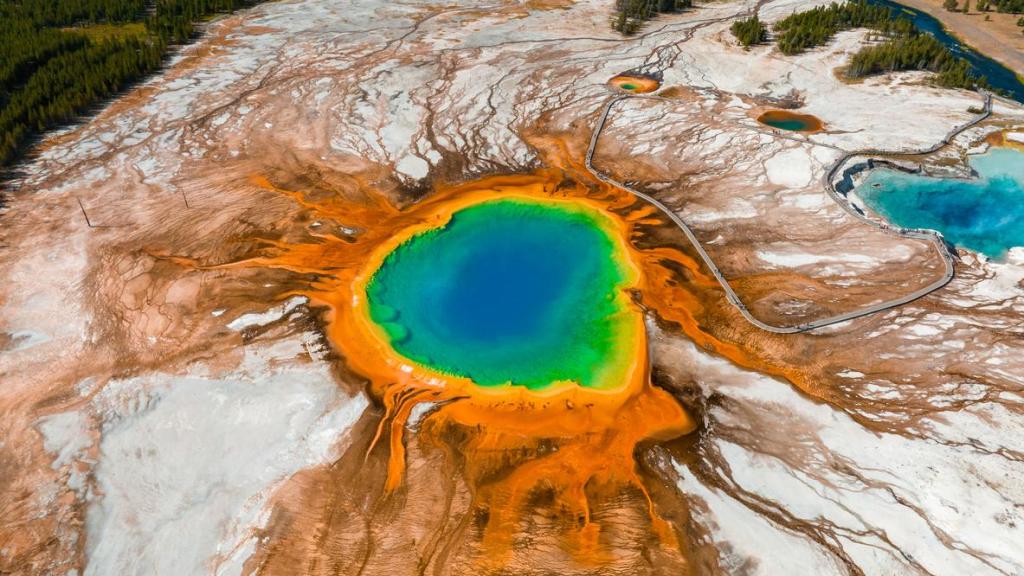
<point x="791" y="121"/>
<point x="985" y="215"/>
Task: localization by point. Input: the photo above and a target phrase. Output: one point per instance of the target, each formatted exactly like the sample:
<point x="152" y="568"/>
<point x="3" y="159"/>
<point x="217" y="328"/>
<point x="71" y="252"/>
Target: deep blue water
<point x="511" y="281"/>
<point x="507" y="291"/>
<point x="986" y="215"/>
<point x="1000" y="77"/>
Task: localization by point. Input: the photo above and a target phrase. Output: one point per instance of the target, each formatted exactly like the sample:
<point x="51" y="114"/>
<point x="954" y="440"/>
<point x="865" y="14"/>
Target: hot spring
<point x="519" y="290"/>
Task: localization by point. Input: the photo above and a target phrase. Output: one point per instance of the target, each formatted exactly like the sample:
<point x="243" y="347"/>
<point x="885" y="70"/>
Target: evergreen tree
<point x="1012" y="6"/>
<point x="914" y="52"/>
<point x="816" y="27"/>
<point x="630" y="15"/>
<point x="750" y="31"/>
<point x="902" y="47"/>
<point x="50" y="71"/>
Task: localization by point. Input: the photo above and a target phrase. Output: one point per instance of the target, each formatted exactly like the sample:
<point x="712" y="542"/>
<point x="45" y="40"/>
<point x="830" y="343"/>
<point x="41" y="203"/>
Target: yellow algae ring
<point x="635" y="83"/>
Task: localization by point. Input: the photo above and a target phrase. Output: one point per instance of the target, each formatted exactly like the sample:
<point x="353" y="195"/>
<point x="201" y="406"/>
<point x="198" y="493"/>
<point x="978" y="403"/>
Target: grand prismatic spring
<point x="513" y="291"/>
<point x="557" y="373"/>
<point x="372" y="288"/>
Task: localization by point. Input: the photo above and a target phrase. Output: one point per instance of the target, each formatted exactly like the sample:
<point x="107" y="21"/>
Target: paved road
<point x="734" y="299"/>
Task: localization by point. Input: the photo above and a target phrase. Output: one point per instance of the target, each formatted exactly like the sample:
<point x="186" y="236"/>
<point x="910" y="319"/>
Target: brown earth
<point x="999" y="37"/>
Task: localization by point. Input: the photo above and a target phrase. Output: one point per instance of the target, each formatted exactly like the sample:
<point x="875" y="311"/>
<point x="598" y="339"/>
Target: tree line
<point x="630" y="15"/>
<point x="914" y="52"/>
<point x="1012" y="6"/>
<point x="902" y="46"/>
<point x="174" y="20"/>
<point x="817" y="26"/>
<point x="43" y="13"/>
<point x="51" y="70"/>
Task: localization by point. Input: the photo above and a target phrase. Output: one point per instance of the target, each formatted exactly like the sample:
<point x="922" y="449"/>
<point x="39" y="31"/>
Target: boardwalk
<point x="734" y="299"/>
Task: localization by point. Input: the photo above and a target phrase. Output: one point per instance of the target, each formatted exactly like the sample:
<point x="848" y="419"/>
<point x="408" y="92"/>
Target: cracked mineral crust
<point x="172" y="400"/>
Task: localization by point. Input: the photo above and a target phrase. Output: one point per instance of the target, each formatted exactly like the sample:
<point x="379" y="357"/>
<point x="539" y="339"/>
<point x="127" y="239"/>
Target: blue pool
<point x="520" y="291"/>
<point x="985" y="215"/>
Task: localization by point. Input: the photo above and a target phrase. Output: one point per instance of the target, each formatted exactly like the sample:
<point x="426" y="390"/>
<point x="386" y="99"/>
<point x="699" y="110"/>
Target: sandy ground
<point x="171" y="407"/>
<point x="999" y="38"/>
